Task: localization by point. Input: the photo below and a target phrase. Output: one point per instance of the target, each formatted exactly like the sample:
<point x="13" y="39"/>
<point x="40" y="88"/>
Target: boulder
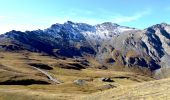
<point x="80" y="82"/>
<point x="106" y="79"/>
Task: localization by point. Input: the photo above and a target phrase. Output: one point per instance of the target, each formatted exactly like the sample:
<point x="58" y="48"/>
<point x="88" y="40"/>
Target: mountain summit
<point x="110" y="44"/>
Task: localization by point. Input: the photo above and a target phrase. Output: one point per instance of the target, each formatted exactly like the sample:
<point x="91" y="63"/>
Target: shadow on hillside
<point x="23" y="82"/>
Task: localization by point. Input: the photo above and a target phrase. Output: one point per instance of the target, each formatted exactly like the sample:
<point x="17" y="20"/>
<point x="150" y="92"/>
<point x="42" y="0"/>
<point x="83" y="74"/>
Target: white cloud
<point x="19" y="27"/>
<point x="137" y="16"/>
<point x="108" y="17"/>
<point x="23" y="23"/>
<point x="3" y="17"/>
<point x="43" y="23"/>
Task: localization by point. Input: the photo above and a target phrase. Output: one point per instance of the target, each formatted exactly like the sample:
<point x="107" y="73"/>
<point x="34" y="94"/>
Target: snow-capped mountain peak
<point x="148" y="48"/>
<point x="106" y="30"/>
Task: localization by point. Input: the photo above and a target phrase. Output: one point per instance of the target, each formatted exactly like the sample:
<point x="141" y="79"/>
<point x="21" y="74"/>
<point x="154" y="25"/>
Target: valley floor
<point x="154" y="90"/>
<point x="74" y="84"/>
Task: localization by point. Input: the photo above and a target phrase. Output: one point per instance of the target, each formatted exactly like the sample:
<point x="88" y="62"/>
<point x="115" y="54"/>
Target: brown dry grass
<point x="154" y="90"/>
<point x="17" y="63"/>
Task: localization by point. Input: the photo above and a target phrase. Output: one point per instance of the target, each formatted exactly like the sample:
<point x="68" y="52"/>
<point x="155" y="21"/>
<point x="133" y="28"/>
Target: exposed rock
<point x="102" y="67"/>
<point x="106" y="79"/>
<point x="110" y="60"/>
<point x="80" y="82"/>
<point x="136" y="61"/>
<point x="107" y="86"/>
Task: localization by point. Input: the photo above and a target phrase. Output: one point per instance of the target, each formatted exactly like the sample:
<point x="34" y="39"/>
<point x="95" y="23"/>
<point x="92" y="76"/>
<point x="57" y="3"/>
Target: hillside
<point x="20" y="80"/>
<point x="154" y="90"/>
<point x="82" y="61"/>
<point x="109" y="44"/>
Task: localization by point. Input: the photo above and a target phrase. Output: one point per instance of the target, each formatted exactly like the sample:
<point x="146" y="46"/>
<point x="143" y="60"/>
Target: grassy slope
<point x="154" y="90"/>
<point x="16" y="66"/>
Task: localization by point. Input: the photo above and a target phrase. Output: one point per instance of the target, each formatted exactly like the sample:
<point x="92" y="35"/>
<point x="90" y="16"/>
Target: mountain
<point x="113" y="46"/>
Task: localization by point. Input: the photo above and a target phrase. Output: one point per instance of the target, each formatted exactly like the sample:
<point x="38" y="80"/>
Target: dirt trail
<point x="48" y="75"/>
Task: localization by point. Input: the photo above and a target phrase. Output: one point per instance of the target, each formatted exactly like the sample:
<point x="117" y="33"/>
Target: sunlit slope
<point x="154" y="90"/>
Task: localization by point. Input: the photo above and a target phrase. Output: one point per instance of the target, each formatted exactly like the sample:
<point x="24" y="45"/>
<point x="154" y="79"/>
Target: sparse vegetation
<point x="19" y="71"/>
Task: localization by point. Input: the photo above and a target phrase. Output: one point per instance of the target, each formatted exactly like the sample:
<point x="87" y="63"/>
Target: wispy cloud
<point x="6" y="17"/>
<point x="24" y="23"/>
<point x="3" y="17"/>
<point x="20" y="27"/>
<point x="8" y="23"/>
<point x="88" y="20"/>
<point x="135" y="17"/>
<point x="105" y="16"/>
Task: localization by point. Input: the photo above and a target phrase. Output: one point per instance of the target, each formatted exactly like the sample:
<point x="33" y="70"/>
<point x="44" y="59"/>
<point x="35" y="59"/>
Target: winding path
<point x="48" y="75"/>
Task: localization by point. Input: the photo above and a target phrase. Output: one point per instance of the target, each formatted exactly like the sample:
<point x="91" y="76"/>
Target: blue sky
<point x="39" y="14"/>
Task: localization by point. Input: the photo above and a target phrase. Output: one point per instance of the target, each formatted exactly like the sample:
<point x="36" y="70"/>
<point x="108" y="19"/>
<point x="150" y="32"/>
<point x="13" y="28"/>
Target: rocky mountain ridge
<point x="110" y="44"/>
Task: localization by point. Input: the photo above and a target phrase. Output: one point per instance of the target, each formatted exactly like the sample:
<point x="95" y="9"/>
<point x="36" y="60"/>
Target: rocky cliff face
<point x="110" y="44"/>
